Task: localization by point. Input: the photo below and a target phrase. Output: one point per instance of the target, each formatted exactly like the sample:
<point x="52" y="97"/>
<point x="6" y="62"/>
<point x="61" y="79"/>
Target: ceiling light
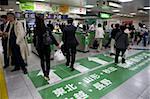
<point x="125" y="0"/>
<point x="116" y="10"/>
<point x="39" y="0"/>
<point x="142" y="11"/>
<point x="11" y="9"/>
<point x="17" y="2"/>
<point x="119" y="14"/>
<point x="89" y="6"/>
<point x="133" y="13"/>
<point x="89" y="10"/>
<point x="146" y="8"/>
<point x="114" y="5"/>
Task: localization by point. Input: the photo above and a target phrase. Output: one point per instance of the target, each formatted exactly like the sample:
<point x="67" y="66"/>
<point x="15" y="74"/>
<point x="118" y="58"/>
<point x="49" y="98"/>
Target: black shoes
<point x="5" y="66"/>
<point x="15" y="69"/>
<point x="72" y="69"/>
<point x="25" y="71"/>
<point x="111" y="54"/>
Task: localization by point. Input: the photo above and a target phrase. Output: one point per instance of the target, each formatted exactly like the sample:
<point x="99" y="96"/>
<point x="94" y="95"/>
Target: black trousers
<point x="107" y="44"/>
<point x="16" y="54"/>
<point x="140" y="38"/>
<point x="71" y="55"/>
<point x="6" y="59"/>
<point x="44" y="54"/>
<point x="118" y="53"/>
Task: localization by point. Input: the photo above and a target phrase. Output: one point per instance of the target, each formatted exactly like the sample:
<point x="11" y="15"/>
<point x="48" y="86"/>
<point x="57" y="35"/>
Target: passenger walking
<point x="43" y="49"/>
<point x="122" y="43"/>
<point x="17" y="46"/>
<point x="109" y="40"/>
<point x="99" y="35"/>
<point x="70" y="43"/>
<point x="113" y="35"/>
<point x="140" y="33"/>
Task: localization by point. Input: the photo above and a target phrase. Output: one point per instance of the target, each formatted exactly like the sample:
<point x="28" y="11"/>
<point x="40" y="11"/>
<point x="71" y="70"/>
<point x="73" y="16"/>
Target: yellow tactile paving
<point x="3" y="88"/>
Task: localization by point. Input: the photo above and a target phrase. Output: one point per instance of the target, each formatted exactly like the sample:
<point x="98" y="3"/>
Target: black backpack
<point x="47" y="38"/>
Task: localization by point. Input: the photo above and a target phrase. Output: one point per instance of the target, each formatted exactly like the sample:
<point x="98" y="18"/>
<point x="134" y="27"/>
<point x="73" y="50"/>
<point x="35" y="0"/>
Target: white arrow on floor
<point x="80" y="67"/>
<point x="97" y="60"/>
<point x="53" y="77"/>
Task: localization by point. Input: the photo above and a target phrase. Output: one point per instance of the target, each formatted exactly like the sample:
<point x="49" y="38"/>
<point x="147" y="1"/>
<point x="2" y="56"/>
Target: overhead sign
<point x="105" y="15"/>
<point x="42" y="7"/>
<point x="38" y="6"/>
<point x="76" y="10"/>
<point x="64" y="8"/>
<point x="26" y="6"/>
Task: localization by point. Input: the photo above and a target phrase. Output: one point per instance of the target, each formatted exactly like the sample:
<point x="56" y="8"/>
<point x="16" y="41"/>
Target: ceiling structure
<point x="127" y="7"/>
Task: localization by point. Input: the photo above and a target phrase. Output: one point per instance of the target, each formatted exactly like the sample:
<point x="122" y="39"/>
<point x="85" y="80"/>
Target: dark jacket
<point x="114" y="32"/>
<point x="38" y="38"/>
<point x="68" y="37"/>
<point x="121" y="40"/>
<point x="4" y="40"/>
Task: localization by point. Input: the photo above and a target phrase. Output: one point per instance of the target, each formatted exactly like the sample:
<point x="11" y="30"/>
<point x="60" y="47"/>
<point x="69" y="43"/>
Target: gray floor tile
<point x="146" y="93"/>
<point x="135" y="86"/>
<point x="15" y="83"/>
<point x="121" y="93"/>
<point x="21" y="93"/>
<point x="143" y="76"/>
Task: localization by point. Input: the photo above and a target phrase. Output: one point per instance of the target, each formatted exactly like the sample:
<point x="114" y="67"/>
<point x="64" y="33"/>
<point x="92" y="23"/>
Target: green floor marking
<point x="64" y="71"/>
<point x="38" y="81"/>
<point x="96" y="83"/>
<point x="105" y="58"/>
<point x="87" y="63"/>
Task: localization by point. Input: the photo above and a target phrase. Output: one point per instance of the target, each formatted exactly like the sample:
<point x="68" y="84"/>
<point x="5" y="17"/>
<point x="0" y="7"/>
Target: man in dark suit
<point x="4" y="28"/>
<point x="70" y="43"/>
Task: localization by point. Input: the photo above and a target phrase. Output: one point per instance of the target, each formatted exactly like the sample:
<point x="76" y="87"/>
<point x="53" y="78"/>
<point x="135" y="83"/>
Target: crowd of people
<point x="15" y="47"/>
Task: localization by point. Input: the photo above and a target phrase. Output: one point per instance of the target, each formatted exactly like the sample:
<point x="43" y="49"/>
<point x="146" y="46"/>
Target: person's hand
<point x="59" y="47"/>
<point x="5" y="34"/>
<point x="129" y="48"/>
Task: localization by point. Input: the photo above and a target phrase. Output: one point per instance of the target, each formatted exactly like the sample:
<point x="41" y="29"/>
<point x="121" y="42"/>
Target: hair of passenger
<point x="112" y="25"/>
<point x="117" y="26"/>
<point x="70" y="21"/>
<point x="99" y="25"/>
<point x="40" y="25"/>
<point x="122" y="28"/>
<point x="10" y="13"/>
<point x="4" y="16"/>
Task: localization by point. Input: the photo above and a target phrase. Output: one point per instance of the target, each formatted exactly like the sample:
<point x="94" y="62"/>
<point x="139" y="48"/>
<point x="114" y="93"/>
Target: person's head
<point x="117" y="26"/>
<point x="112" y="25"/>
<point x="11" y="17"/>
<point x="39" y="21"/>
<point x="70" y="21"/>
<point x="140" y="25"/>
<point x="122" y="28"/>
<point x="99" y="25"/>
<point x="4" y="18"/>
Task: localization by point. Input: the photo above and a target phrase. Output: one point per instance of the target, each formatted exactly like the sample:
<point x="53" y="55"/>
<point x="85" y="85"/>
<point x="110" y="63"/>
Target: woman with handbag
<point x="43" y="39"/>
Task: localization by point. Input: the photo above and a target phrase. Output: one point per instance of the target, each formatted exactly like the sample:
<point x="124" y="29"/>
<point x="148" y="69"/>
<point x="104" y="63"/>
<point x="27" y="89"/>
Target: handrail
<point x="3" y="88"/>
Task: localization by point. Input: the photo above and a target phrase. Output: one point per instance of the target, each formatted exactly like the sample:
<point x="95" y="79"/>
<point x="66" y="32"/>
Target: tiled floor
<point x="20" y="87"/>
